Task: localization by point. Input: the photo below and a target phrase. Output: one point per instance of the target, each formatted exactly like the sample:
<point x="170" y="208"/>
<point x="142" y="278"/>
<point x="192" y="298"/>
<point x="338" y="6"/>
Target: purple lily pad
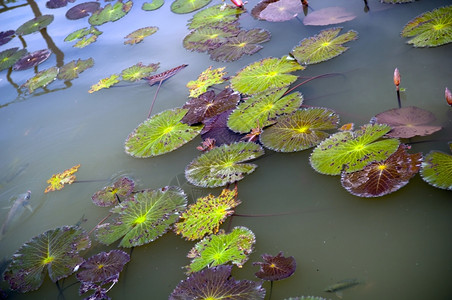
<point x="282" y="10"/>
<point x="108" y="195"/>
<point x="82" y="10"/>
<point x="32" y="59"/>
<point x="102" y="266"/>
<point x="6" y="36"/>
<point x="216" y="128"/>
<point x="276" y="267"/>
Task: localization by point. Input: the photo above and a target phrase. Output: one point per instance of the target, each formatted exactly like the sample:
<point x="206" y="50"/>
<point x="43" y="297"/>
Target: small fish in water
<point x="16" y="210"/>
<point x="339" y="286"/>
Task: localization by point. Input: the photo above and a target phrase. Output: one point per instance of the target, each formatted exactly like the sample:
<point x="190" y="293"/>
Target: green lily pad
<point x="215" y="250"/>
<point x="188" y="6"/>
<point x="300" y="130"/>
<point x="139" y="71"/>
<point x="262" y="109"/>
<point x="323" y="46"/>
<point x="41" y="79"/>
<point x="144" y="218"/>
<point x="55" y="250"/>
<point x="217" y="15"/>
<point x="430" y="29"/>
<point x="352" y="151"/>
<point x="209" y="37"/>
<point x="436" y="169"/>
<point x="160" y="134"/>
<point x="72" y="69"/>
<point x="104" y="83"/>
<point x="34" y="24"/>
<point x="10" y="56"/>
<point x="110" y="13"/>
<point x="81" y="33"/>
<point x="223" y="165"/>
<point x="268" y="73"/>
<point x="138" y="35"/>
<point x="108" y="196"/>
<point x="206" y="79"/>
<point x="206" y="215"/>
<point x="153" y="5"/>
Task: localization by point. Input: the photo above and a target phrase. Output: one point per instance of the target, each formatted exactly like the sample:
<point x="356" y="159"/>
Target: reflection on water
<point x="397" y="246"/>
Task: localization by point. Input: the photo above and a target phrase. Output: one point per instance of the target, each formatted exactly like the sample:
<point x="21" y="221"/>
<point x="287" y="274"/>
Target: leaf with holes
<point x="109" y="195"/>
<point x="57" y="181"/>
<point x="138" y="35"/>
<point x="206" y="79"/>
<point x="104" y="83"/>
<point x="436" y="169"/>
<point x="217" y="15"/>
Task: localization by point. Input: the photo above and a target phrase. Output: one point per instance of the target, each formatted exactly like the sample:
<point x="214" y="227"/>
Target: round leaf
<point x="276" y="267"/>
<point x="153" y="5"/>
<point x="108" y="195"/>
<point x="209" y="37"/>
<point x="282" y="10"/>
<point x="188" y="6"/>
<point x="10" y="56"/>
<point x="34" y="25"/>
<point x="72" y="69"/>
<point x="102" y="266"/>
<point x="82" y="10"/>
<point x="110" y="13"/>
<point x="218" y="15"/>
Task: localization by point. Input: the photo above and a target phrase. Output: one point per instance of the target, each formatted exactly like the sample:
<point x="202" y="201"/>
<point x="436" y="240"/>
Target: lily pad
<point x="407" y="122"/>
<point x="160" y="134"/>
<point x="256" y="11"/>
<point x="55" y="251"/>
<point x="268" y="73"/>
<point x="52" y="4"/>
<point x="157" y="78"/>
<point x="139" y="71"/>
<point x="328" y="16"/>
<point x="300" y="130"/>
<point x="222" y="248"/>
<point x="188" y="6"/>
<point x="57" y="181"/>
<point x="100" y="291"/>
<point x="430" y="29"/>
<point x="82" y="10"/>
<point x="353" y="150"/>
<point x="110" y="13"/>
<point x="32" y="59"/>
<point x="223" y="165"/>
<point x="102" y="266"/>
<point x="276" y="267"/>
<point x="6" y="36"/>
<point x="144" y="218"/>
<point x="153" y="5"/>
<point x="108" y="196"/>
<point x="217" y="15"/>
<point x="323" y="46"/>
<point x="280" y="11"/>
<point x="216" y="128"/>
<point x="138" y="35"/>
<point x="384" y="177"/>
<point x="10" y="56"/>
<point x="262" y="109"/>
<point x="42" y="79"/>
<point x="72" y="69"/>
<point x="206" y="79"/>
<point x="206" y="215"/>
<point x="83" y="32"/>
<point x="436" y="169"/>
<point x="104" y="83"/>
<point x="217" y="283"/>
<point x="34" y="24"/>
<point x="246" y="42"/>
<point x="208" y="37"/>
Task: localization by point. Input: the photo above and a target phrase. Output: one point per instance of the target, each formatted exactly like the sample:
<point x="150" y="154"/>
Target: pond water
<point x="398" y="246"/>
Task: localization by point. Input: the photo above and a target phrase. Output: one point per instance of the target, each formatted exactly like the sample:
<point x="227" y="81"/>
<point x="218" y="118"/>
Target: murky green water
<point x="399" y="245"/>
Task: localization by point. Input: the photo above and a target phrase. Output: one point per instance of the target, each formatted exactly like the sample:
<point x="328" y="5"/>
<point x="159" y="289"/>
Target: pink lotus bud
<point x="448" y="95"/>
<point x="396" y="77"/>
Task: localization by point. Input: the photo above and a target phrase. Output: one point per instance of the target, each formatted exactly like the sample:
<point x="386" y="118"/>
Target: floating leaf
<point x="328" y="16"/>
<point x="188" y="6"/>
<point x="276" y="267"/>
<point x="109" y="195"/>
<point x="6" y="36"/>
<point x="139" y="71"/>
<point x="430" y="29"/>
<point x="352" y="151"/>
<point x="268" y="73"/>
<point x="164" y="75"/>
<point x="10" y="56"/>
<point x="110" y="13"/>
<point x="209" y="37"/>
<point x="280" y="11"/>
<point x="300" y="130"/>
<point x="208" y="105"/>
<point x="223" y="165"/>
<point x="34" y="24"/>
<point x="102" y="266"/>
<point x="143" y="218"/>
<point x="260" y="110"/>
<point x="42" y="79"/>
<point x="138" y="35"/>
<point x="437" y="169"/>
<point x="100" y="292"/>
<point x="206" y="215"/>
<point x="323" y="46"/>
<point x="57" y="181"/>
<point x="104" y="83"/>
<point x="153" y="5"/>
<point x="384" y="177"/>
<point x="217" y="15"/>
<point x="216" y="128"/>
<point x="222" y="248"/>
<point x="55" y="250"/>
<point x="72" y="69"/>
<point x="32" y="59"/>
<point x="407" y="122"/>
<point x="82" y="10"/>
<point x="57" y="3"/>
<point x="246" y="42"/>
<point x="206" y="79"/>
<point x="81" y="33"/>
<point x="256" y="11"/>
<point x="86" y="41"/>
<point x="160" y="134"/>
<point x="217" y="283"/>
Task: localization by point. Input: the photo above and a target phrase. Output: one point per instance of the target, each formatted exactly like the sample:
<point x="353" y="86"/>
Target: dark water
<point x="398" y="246"/>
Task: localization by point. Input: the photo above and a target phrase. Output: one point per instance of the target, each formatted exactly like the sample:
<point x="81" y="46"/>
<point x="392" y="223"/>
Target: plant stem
<point x="398" y="97"/>
<point x="155" y="97"/>
<point x="101" y="221"/>
<point x="312" y="78"/>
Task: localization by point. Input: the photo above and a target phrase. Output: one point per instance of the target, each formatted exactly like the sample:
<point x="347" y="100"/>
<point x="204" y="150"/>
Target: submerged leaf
<point x="280" y="11"/>
<point x="222" y="248"/>
<point x="437" y="169"/>
<point x="217" y="283"/>
<point x="223" y="165"/>
<point x="102" y="266"/>
<point x="110" y="13"/>
<point x="108" y="195"/>
<point x="139" y="71"/>
<point x="104" y="83"/>
<point x="10" y="56"/>
<point x="188" y="6"/>
<point x="32" y="59"/>
<point x="42" y="79"/>
<point x="276" y="267"/>
<point x="55" y="250"/>
<point x="328" y="16"/>
<point x="57" y="181"/>
<point x="217" y="15"/>
<point x="72" y="69"/>
<point x="206" y="79"/>
<point x="82" y="10"/>
<point x="34" y="24"/>
<point x="143" y="218"/>
<point x="138" y="35"/>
